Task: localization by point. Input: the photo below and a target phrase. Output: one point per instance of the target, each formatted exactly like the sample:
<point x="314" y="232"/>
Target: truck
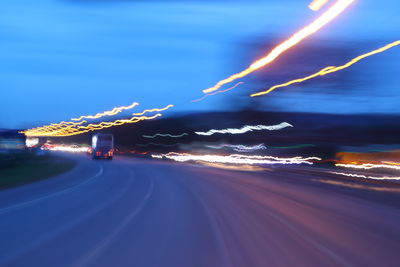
<point x="102" y="146"/>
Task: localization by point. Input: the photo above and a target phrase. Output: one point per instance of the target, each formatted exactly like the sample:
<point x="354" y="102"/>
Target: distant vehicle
<point x="102" y="146"/>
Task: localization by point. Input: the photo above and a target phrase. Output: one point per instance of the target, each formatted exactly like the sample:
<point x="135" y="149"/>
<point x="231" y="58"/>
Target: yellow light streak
<point x="68" y="128"/>
<point x="112" y="112"/>
<point x="152" y="110"/>
<point x="303" y="33"/>
<point x="64" y="124"/>
<point x="329" y="69"/>
<point x="391" y="163"/>
<point x="317" y="4"/>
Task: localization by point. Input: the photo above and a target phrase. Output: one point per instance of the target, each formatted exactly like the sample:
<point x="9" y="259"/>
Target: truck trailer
<point x="102" y="146"/>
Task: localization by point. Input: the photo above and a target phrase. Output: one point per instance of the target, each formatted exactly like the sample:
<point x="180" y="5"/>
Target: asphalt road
<point x="134" y="212"/>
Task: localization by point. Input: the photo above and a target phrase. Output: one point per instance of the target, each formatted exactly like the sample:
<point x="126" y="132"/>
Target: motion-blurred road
<point x="134" y="212"/>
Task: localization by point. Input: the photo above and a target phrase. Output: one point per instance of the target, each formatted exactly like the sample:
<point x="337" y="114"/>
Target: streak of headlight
<point x="152" y="110"/>
<point x="112" y="112"/>
<point x="165" y="135"/>
<point x="308" y="30"/>
<point x="247" y="128"/>
<point x="65" y="148"/>
<point x="239" y="148"/>
<point x="330" y="69"/>
<point x="217" y="92"/>
<point x="368" y="166"/>
<point x="237" y="167"/>
<point x="236" y="159"/>
<point x="367" y="176"/>
<point x="317" y="4"/>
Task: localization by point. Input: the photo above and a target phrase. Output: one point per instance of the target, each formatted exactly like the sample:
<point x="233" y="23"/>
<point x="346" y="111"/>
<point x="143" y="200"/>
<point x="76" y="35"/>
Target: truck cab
<point x="102" y="146"/>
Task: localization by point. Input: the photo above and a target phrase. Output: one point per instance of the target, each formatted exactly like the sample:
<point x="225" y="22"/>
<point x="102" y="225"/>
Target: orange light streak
<point x="308" y="30"/>
<point x="329" y="69"/>
<point x="73" y="128"/>
<point x="112" y="112"/>
<point x="152" y="110"/>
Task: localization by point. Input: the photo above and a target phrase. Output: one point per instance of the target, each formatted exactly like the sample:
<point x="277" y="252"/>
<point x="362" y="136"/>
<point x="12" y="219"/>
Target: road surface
<point x="136" y="212"/>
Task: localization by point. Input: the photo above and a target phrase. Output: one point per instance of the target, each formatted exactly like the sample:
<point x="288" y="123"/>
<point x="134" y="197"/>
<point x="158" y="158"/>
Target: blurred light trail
<point x="40" y="131"/>
<point x="236" y="159"/>
<point x="296" y="38"/>
<point x="368" y="166"/>
<point x="152" y="110"/>
<point x="56" y="126"/>
<point x="391" y="163"/>
<point x="112" y="112"/>
<point x="65" y="148"/>
<point x="236" y="167"/>
<point x="239" y="148"/>
<point x="217" y="92"/>
<point x="366" y="176"/>
<point x="317" y="4"/>
<point x="247" y="128"/>
<point x="165" y="135"/>
<point x="330" y="69"/>
<point x="105" y="125"/>
<point x="75" y="130"/>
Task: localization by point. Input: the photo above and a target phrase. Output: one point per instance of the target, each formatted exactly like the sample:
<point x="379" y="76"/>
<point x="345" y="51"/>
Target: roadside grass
<point x="23" y="168"/>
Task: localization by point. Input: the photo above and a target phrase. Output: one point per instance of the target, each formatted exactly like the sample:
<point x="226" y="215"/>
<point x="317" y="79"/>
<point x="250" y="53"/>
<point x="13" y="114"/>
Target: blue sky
<point x="61" y="59"/>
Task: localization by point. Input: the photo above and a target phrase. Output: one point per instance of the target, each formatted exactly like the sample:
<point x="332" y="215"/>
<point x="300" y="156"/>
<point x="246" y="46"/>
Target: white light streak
<point x="367" y="176"/>
<point x="165" y="135"/>
<point x="65" y="148"/>
<point x="247" y="128"/>
<point x="239" y="148"/>
<point x="368" y="166"/>
<point x="238" y="159"/>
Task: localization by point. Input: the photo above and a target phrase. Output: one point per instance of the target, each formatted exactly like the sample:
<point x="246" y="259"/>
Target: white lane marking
<point x="30" y="202"/>
<point x="103" y="244"/>
<point x="51" y="234"/>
